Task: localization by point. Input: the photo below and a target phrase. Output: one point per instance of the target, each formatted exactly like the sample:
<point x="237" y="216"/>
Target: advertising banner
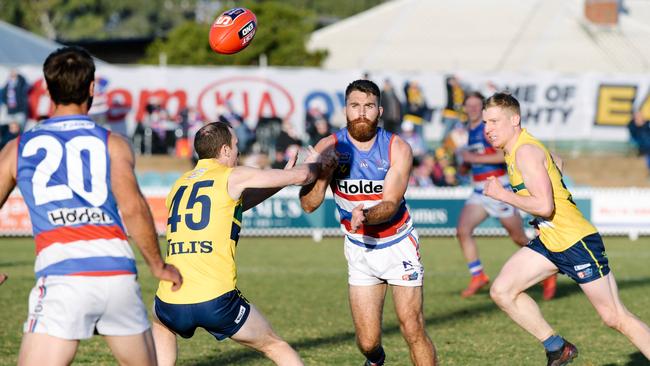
<point x="553" y="106"/>
<point x="434" y="212"/>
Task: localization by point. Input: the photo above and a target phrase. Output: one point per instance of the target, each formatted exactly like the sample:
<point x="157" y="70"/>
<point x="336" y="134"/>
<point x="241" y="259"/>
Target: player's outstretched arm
<point x="473" y="158"/>
<point x="135" y="210"/>
<point x="7" y="170"/>
<point x="243" y="177"/>
<point x="252" y="197"/>
<point x="395" y="184"/>
<point x="531" y="162"/>
<point x="312" y="195"/>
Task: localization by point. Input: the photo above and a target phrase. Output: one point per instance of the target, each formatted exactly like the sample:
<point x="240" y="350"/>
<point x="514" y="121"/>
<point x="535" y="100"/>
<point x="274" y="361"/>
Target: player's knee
<point x="463" y="232"/>
<point x="500" y="293"/>
<point x="412" y="329"/>
<point x="612" y="319"/>
<point x="367" y="345"/>
<point x="273" y="345"/>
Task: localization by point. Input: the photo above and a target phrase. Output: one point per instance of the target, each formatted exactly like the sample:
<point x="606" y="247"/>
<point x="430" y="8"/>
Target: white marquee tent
<point x="488" y="36"/>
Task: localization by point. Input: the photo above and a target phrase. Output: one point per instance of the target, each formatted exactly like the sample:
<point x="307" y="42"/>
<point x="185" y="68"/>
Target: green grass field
<point x="301" y="288"/>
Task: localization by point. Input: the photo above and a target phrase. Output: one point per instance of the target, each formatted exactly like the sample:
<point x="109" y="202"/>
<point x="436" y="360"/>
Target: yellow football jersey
<point x="203" y="227"/>
<point x="567" y="225"/>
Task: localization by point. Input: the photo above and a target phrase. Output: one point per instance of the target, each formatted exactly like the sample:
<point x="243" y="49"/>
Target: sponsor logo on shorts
<point x="581" y="266"/>
<point x="407" y="265"/>
<point x="410" y="277"/>
<point x="242" y="311"/>
<point x="585" y="274"/>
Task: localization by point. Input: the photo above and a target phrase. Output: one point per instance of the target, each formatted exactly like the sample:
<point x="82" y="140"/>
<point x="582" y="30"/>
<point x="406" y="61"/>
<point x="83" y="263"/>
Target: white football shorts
<point x="398" y="264"/>
<point x="72" y="307"/>
<point x="493" y="207"/>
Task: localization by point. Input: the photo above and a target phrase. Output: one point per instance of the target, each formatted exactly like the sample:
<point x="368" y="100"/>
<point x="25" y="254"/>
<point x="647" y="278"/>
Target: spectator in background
<point x="442" y="162"/>
<point x="245" y="137"/>
<point x="453" y="112"/>
<point x="639" y="128"/>
<point x="286" y="145"/>
<point x="14" y="96"/>
<point x="421" y="174"/>
<point x="313" y="122"/>
<point x="323" y="129"/>
<point x="116" y="115"/>
<point x="392" y="116"/>
<point x="451" y="180"/>
<point x="411" y="137"/>
<point x="416" y="109"/>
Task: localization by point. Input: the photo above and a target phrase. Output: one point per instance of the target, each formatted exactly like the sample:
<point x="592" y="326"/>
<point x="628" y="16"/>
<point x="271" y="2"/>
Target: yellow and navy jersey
<point x="566" y="226"/>
<point x="203" y="224"/>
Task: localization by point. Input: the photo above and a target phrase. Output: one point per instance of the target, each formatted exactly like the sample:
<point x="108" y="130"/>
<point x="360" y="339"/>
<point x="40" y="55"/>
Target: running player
<point x="205" y="214"/>
<point x="567" y="242"/>
<point x="381" y="245"/>
<point x="73" y="176"/>
<point x="486" y="162"/>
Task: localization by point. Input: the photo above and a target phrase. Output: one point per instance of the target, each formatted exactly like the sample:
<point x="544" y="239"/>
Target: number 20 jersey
<point x="63" y="173"/>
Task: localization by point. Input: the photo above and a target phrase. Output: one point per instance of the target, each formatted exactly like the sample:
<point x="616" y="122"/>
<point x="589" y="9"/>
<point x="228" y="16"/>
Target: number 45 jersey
<point x="203" y="224"/>
<point x="63" y="173"/>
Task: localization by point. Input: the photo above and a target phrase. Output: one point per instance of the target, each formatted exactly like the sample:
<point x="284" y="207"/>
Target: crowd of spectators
<point x="273" y="141"/>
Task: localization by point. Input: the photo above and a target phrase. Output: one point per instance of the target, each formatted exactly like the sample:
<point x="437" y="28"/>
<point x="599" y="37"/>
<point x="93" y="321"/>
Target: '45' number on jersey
<point x="76" y="171"/>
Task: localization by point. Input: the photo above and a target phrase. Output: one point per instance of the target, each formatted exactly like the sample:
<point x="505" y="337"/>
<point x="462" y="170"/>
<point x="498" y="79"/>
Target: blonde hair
<point x="504" y="101"/>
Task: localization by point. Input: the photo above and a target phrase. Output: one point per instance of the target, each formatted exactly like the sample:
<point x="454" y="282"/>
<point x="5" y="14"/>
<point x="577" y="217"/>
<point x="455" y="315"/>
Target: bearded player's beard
<point x="362" y="129"/>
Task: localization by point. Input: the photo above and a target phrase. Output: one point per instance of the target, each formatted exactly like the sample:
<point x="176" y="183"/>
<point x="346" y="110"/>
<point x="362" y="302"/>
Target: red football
<point x="233" y="30"/>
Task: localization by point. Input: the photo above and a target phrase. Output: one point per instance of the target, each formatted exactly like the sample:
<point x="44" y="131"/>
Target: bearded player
<point x="381" y="245"/>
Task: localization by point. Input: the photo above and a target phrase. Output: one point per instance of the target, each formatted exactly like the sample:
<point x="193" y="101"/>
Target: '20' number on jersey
<point x="75" y="168"/>
<point x="195" y="198"/>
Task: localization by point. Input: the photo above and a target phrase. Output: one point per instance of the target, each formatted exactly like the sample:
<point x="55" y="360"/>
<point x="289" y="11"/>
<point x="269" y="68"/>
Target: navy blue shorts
<point x="584" y="261"/>
<point x="222" y="317"/>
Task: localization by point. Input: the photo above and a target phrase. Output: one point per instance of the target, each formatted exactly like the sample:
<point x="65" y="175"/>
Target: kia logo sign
<point x="248" y="96"/>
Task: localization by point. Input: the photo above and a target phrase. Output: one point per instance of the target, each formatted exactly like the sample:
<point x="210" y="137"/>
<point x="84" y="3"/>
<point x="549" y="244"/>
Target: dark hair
<point x="68" y="73"/>
<point x="475" y="94"/>
<point x="210" y="138"/>
<point x="505" y="101"/>
<point x="365" y="86"/>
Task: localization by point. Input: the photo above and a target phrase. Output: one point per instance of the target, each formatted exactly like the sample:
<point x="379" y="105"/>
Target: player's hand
<point x="171" y="274"/>
<point x="329" y="162"/>
<point x="494" y="189"/>
<point x="292" y="162"/>
<point x="3" y="278"/>
<point x="358" y="218"/>
<point x="313" y="157"/>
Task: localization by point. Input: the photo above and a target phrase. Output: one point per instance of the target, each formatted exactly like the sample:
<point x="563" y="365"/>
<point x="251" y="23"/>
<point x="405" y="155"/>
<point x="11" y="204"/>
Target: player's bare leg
<point x="38" y="349"/>
<point x="165" y="341"/>
<point x="524" y="269"/>
<point x="408" y="306"/>
<point x="603" y="294"/>
<point x="513" y="226"/>
<point x="133" y="350"/>
<point x="258" y="334"/>
<point x="366" y="305"/>
<point x="470" y="217"/>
